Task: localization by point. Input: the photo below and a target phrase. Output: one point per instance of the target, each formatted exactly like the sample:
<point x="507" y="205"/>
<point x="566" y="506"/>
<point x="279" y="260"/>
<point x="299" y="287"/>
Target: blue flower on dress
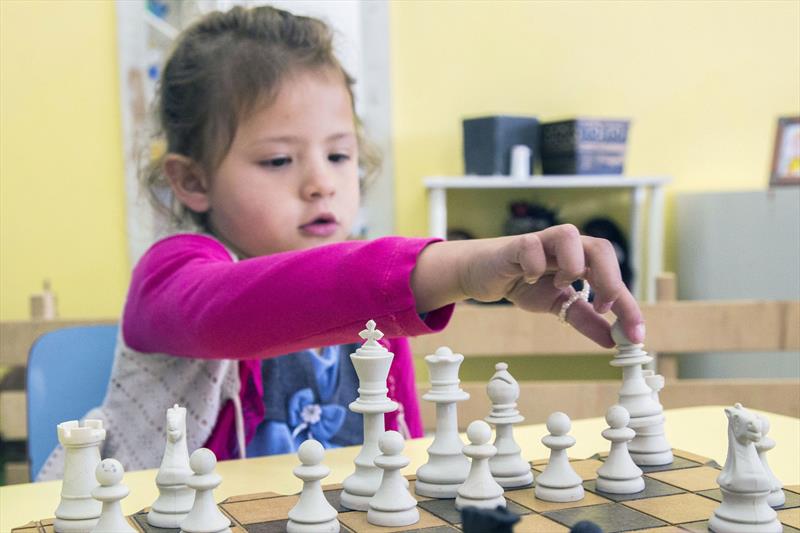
<point x="310" y="420"/>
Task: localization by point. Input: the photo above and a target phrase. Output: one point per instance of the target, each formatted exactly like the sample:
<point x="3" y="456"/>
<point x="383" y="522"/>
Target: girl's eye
<point x="338" y="158"/>
<point x="275" y="162"/>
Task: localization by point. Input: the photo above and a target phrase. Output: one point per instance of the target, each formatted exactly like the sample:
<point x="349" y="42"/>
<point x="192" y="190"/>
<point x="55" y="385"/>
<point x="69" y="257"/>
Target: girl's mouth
<point x="322" y="226"/>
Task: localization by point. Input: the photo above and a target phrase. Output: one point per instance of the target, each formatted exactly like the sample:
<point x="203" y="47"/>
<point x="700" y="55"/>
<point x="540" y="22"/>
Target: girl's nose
<point x="318" y="183"/>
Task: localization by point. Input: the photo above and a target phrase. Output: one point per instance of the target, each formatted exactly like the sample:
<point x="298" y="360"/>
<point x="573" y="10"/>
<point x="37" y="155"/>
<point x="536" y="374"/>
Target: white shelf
<point x="542" y="182"/>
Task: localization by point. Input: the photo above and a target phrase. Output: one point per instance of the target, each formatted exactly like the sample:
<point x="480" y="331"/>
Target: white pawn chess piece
<point x="776" y="496"/>
<point x="312" y="513"/>
<point x="743" y="481"/>
<point x="447" y="467"/>
<point x="619" y="474"/>
<point x="77" y="511"/>
<point x="393" y="505"/>
<point x="508" y="467"/>
<point x="637" y="395"/>
<point x="175" y="498"/>
<point x="372" y="362"/>
<point x="480" y="489"/>
<point x="109" y="474"/>
<point x="559" y="482"/>
<point x="205" y="516"/>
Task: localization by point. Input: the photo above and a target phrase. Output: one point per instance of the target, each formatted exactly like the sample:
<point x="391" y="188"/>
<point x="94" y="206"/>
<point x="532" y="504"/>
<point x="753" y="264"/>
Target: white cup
<point x="520" y="161"/>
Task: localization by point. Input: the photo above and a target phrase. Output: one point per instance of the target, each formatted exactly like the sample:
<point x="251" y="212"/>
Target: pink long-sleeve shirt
<point x="189" y="297"/>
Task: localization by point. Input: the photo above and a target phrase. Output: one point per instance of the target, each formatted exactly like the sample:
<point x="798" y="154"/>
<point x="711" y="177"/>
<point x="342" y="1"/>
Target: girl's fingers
<point x="630" y="317"/>
<point x="531" y="258"/>
<point x="564" y="247"/>
<point x="583" y="318"/>
<point x="603" y="273"/>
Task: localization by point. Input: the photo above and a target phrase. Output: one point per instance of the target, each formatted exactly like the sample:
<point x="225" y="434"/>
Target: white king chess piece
<point x="372" y="362"/>
<point x="744" y="483"/>
<point x="78" y="511"/>
<point x="175" y="498"/>
<point x="447" y="467"/>
<point x="650" y="446"/>
<point x="508" y="467"/>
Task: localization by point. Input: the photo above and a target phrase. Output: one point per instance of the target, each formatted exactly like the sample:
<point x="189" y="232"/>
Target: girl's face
<point x="290" y="178"/>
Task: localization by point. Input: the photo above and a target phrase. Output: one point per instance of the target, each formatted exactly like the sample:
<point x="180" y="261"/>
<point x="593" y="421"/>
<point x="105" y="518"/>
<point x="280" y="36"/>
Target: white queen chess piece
<point x="650" y="445"/>
<point x="372" y="362"/>
<point x="393" y="505"/>
<point x="175" y="498"/>
<point x="205" y="516"/>
<point x="77" y="511"/>
<point x="480" y="489"/>
<point x="508" y="467"/>
<point x="447" y="467"/>
<point x="109" y="473"/>
<point x="559" y="482"/>
<point x="312" y="513"/>
<point x="744" y="482"/>
<point x="619" y="474"/>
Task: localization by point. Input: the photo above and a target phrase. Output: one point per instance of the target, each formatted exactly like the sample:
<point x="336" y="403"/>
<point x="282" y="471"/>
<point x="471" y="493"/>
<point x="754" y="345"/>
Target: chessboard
<point x="677" y="497"/>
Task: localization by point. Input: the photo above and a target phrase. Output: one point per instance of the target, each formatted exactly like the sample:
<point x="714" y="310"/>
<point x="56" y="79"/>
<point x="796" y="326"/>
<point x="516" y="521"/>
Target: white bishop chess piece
<point x="619" y="474"/>
<point x="205" y="516"/>
<point x="637" y="394"/>
<point x="77" y="511"/>
<point x="480" y="489"/>
<point x="109" y="474"/>
<point x="447" y="467"/>
<point x="508" y="467"/>
<point x="776" y="496"/>
<point x="559" y="482"/>
<point x="175" y="498"/>
<point x="372" y="362"/>
<point x="312" y="513"/>
<point x="393" y="505"/>
<point x="744" y="482"/>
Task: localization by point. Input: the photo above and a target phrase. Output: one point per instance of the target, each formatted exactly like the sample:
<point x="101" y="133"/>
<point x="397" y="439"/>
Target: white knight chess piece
<point x="175" y="498"/>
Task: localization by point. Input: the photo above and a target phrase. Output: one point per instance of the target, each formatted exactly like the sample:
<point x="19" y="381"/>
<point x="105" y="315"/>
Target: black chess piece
<point x="584" y="526"/>
<point x="497" y="520"/>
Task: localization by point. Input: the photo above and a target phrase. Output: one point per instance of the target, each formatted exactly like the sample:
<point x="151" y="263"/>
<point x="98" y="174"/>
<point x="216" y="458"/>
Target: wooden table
<point x="702" y="430"/>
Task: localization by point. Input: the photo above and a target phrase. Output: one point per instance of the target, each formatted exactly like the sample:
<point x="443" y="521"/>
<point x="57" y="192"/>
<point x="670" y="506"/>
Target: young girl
<point x="249" y="321"/>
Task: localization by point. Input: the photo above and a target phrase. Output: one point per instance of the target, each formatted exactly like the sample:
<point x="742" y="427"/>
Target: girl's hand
<point x="534" y="271"/>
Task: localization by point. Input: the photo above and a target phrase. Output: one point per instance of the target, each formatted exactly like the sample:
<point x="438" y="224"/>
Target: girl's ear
<point x="188" y="182"/>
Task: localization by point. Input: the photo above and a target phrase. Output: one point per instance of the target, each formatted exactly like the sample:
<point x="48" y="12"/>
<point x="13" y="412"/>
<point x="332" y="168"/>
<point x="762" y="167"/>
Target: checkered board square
<point x="677" y="497"/>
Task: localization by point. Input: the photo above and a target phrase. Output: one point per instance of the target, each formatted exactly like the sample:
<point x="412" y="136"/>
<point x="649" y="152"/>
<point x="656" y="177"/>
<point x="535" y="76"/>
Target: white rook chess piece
<point x="619" y="474"/>
<point x="109" y="474"/>
<point x="447" y="467"/>
<point x="508" y="467"/>
<point x="312" y="513"/>
<point x="175" y="498"/>
<point x="205" y="516"/>
<point x="392" y="505"/>
<point x="637" y="395"/>
<point x="743" y="481"/>
<point x="776" y="496"/>
<point x="78" y="511"/>
<point x="480" y="489"/>
<point x="372" y="362"/>
<point x="559" y="482"/>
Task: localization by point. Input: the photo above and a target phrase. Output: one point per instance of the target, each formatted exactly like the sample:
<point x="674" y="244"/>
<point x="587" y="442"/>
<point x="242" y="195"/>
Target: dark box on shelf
<point x="584" y="146"/>
<point x="488" y="142"/>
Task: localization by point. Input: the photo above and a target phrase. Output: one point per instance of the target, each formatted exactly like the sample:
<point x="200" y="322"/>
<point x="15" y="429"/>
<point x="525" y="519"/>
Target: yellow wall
<point x="61" y="171"/>
<point x="703" y="83"/>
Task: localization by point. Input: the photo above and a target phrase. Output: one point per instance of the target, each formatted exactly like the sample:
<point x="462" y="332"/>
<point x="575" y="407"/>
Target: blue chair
<point x="68" y="372"/>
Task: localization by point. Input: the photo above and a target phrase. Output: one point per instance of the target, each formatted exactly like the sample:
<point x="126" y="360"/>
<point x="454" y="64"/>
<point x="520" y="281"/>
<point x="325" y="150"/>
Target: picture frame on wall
<point x="786" y="154"/>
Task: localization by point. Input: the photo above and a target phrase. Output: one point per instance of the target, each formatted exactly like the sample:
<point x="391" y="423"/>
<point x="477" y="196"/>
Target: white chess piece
<point x="312" y="513"/>
<point x="559" y="482"/>
<point x="77" y="511"/>
<point x="480" y="489"/>
<point x="393" y="505"/>
<point x="205" y="516"/>
<point x="447" y="467"/>
<point x="637" y="395"/>
<point x="776" y="496"/>
<point x="743" y="481"/>
<point x="372" y="362"/>
<point x="175" y="498"/>
<point x="508" y="467"/>
<point x="109" y="474"/>
<point x="619" y="474"/>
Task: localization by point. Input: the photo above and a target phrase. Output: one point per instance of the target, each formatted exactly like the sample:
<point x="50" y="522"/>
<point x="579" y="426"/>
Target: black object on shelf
<point x="527" y="218"/>
<point x="488" y="142"/>
<point x="584" y="146"/>
<point x="606" y="229"/>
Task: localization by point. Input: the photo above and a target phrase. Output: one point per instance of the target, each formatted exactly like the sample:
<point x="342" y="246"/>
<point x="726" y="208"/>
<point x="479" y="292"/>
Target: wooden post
<point x="667" y="291"/>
